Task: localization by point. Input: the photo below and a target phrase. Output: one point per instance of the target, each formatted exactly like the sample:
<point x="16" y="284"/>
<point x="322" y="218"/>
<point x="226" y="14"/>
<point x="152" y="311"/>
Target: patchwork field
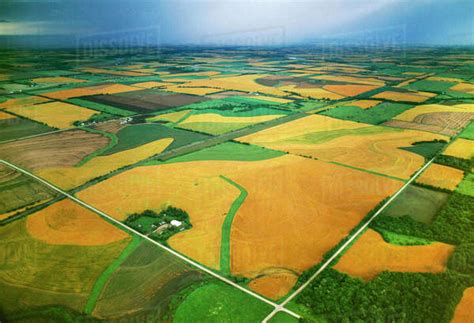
<point x="54" y="114"/>
<point x="368" y="147"/>
<point x="91" y="90"/>
<point x="441" y="176"/>
<point x="370" y="255"/>
<point x="251" y="255"/>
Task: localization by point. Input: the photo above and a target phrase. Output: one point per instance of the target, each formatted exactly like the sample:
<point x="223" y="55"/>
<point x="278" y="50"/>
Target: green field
<point x="26" y="278"/>
<point x="139" y="134"/>
<point x="144" y="285"/>
<point x="430" y="86"/>
<point x="468" y="132"/>
<point x="467" y="185"/>
<point x="426" y="149"/>
<point x="229" y="151"/>
<point x="19" y="190"/>
<point x="376" y="115"/>
<point x="217" y="302"/>
<point x="20" y="127"/>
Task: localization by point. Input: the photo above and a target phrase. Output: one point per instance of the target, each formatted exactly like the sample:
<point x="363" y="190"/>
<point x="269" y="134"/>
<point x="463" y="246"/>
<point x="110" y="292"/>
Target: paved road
<point x="127" y="228"/>
<point x="347" y="243"/>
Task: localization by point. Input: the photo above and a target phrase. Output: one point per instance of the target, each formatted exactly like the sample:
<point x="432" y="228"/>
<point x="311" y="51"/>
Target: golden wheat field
<point x="441" y="176"/>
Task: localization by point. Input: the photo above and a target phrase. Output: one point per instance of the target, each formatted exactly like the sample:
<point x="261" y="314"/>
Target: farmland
<point x="192" y="183"/>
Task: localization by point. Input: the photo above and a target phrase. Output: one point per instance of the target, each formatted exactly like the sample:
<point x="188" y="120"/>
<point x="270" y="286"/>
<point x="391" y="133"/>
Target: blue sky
<point x="241" y="22"/>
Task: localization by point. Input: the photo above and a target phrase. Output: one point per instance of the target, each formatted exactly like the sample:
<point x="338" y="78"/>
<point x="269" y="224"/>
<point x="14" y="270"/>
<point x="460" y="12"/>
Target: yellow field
<point x="274" y="285"/>
<point x="112" y="72"/>
<point x="292" y="230"/>
<point x="350" y="89"/>
<point x="444" y="79"/>
<point x="170" y="117"/>
<point x="411" y="114"/>
<point x="270" y="99"/>
<point x="370" y="255"/>
<point x="365" y="104"/>
<point x="67" y="223"/>
<point x="350" y="79"/>
<point x="55" y="114"/>
<point x="245" y="83"/>
<point x="57" y="79"/>
<point x="441" y="176"/>
<point x="464" y="87"/>
<point x="70" y="177"/>
<point x="404" y="96"/>
<point x="206" y="73"/>
<point x="91" y="90"/>
<point x="151" y="84"/>
<point x="20" y="102"/>
<point x="5" y="116"/>
<point x="375" y="148"/>
<point x="464" y="312"/>
<point x="461" y="148"/>
<point x="313" y="93"/>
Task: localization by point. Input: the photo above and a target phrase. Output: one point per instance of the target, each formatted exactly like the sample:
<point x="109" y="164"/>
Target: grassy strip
<point x="227" y="226"/>
<point x="104" y="277"/>
<point x="368" y="171"/>
<point x="113" y="141"/>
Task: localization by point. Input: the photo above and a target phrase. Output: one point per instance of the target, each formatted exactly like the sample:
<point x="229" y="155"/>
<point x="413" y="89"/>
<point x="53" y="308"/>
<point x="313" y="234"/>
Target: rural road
<point x="127" y="228"/>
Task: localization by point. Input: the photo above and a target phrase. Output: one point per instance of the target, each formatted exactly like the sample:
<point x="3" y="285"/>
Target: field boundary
<point x="167" y="249"/>
<point x="344" y="246"/>
<point x="227" y="225"/>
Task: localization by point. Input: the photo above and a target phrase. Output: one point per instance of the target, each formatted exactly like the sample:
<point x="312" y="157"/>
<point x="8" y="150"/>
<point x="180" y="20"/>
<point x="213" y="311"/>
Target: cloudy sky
<point x="239" y="22"/>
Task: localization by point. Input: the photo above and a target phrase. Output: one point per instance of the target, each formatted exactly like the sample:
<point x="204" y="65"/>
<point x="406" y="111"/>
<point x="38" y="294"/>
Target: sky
<point x="63" y="23"/>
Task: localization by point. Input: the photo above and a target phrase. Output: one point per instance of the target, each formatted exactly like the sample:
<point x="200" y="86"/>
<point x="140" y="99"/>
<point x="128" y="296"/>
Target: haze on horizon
<point x="62" y="23"/>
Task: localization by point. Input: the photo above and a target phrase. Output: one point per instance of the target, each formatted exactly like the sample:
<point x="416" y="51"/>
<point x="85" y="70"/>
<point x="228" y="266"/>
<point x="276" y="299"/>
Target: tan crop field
<point x="285" y="212"/>
<point x="464" y="312"/>
<point x="70" y="177"/>
<point x="55" y="114"/>
<point x="5" y="116"/>
<point x="441" y="176"/>
<point x="67" y="223"/>
<point x="370" y="255"/>
<point x="91" y="90"/>
<point x="21" y="102"/>
<point x="416" y="97"/>
<point x="274" y="285"/>
<point x="57" y="79"/>
<point x="461" y="148"/>
<point x="313" y="93"/>
<point x="365" y="104"/>
<point x="364" y="146"/>
<point x="349" y="89"/>
<point x="68" y="148"/>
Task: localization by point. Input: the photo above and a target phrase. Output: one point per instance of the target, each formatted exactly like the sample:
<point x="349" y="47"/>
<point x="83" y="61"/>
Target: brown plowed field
<point x="61" y="149"/>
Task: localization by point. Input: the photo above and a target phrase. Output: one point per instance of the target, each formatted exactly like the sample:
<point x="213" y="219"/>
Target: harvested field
<point x="67" y="147"/>
<point x="419" y="126"/>
<point x="215" y="124"/>
<point x="464" y="87"/>
<point x="313" y="93"/>
<point x="370" y="255"/>
<point x="368" y="147"/>
<point x="23" y="101"/>
<point x="464" y="312"/>
<point x="365" y="104"/>
<point x="151" y="84"/>
<point x="146" y="101"/>
<point x="350" y="79"/>
<point x="416" y="97"/>
<point x="256" y="242"/>
<point x="112" y="72"/>
<point x="57" y="79"/>
<point x="90" y="90"/>
<point x="18" y="191"/>
<point x="349" y="89"/>
<point x="244" y="83"/>
<point x="6" y="116"/>
<point x="461" y="148"/>
<point x="70" y="177"/>
<point x="67" y="223"/>
<point x="55" y="114"/>
<point x="170" y="117"/>
<point x="28" y="264"/>
<point x="112" y="126"/>
<point x="452" y="117"/>
<point x="441" y="176"/>
<point x="158" y="275"/>
<point x="274" y="285"/>
<point x="419" y="203"/>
